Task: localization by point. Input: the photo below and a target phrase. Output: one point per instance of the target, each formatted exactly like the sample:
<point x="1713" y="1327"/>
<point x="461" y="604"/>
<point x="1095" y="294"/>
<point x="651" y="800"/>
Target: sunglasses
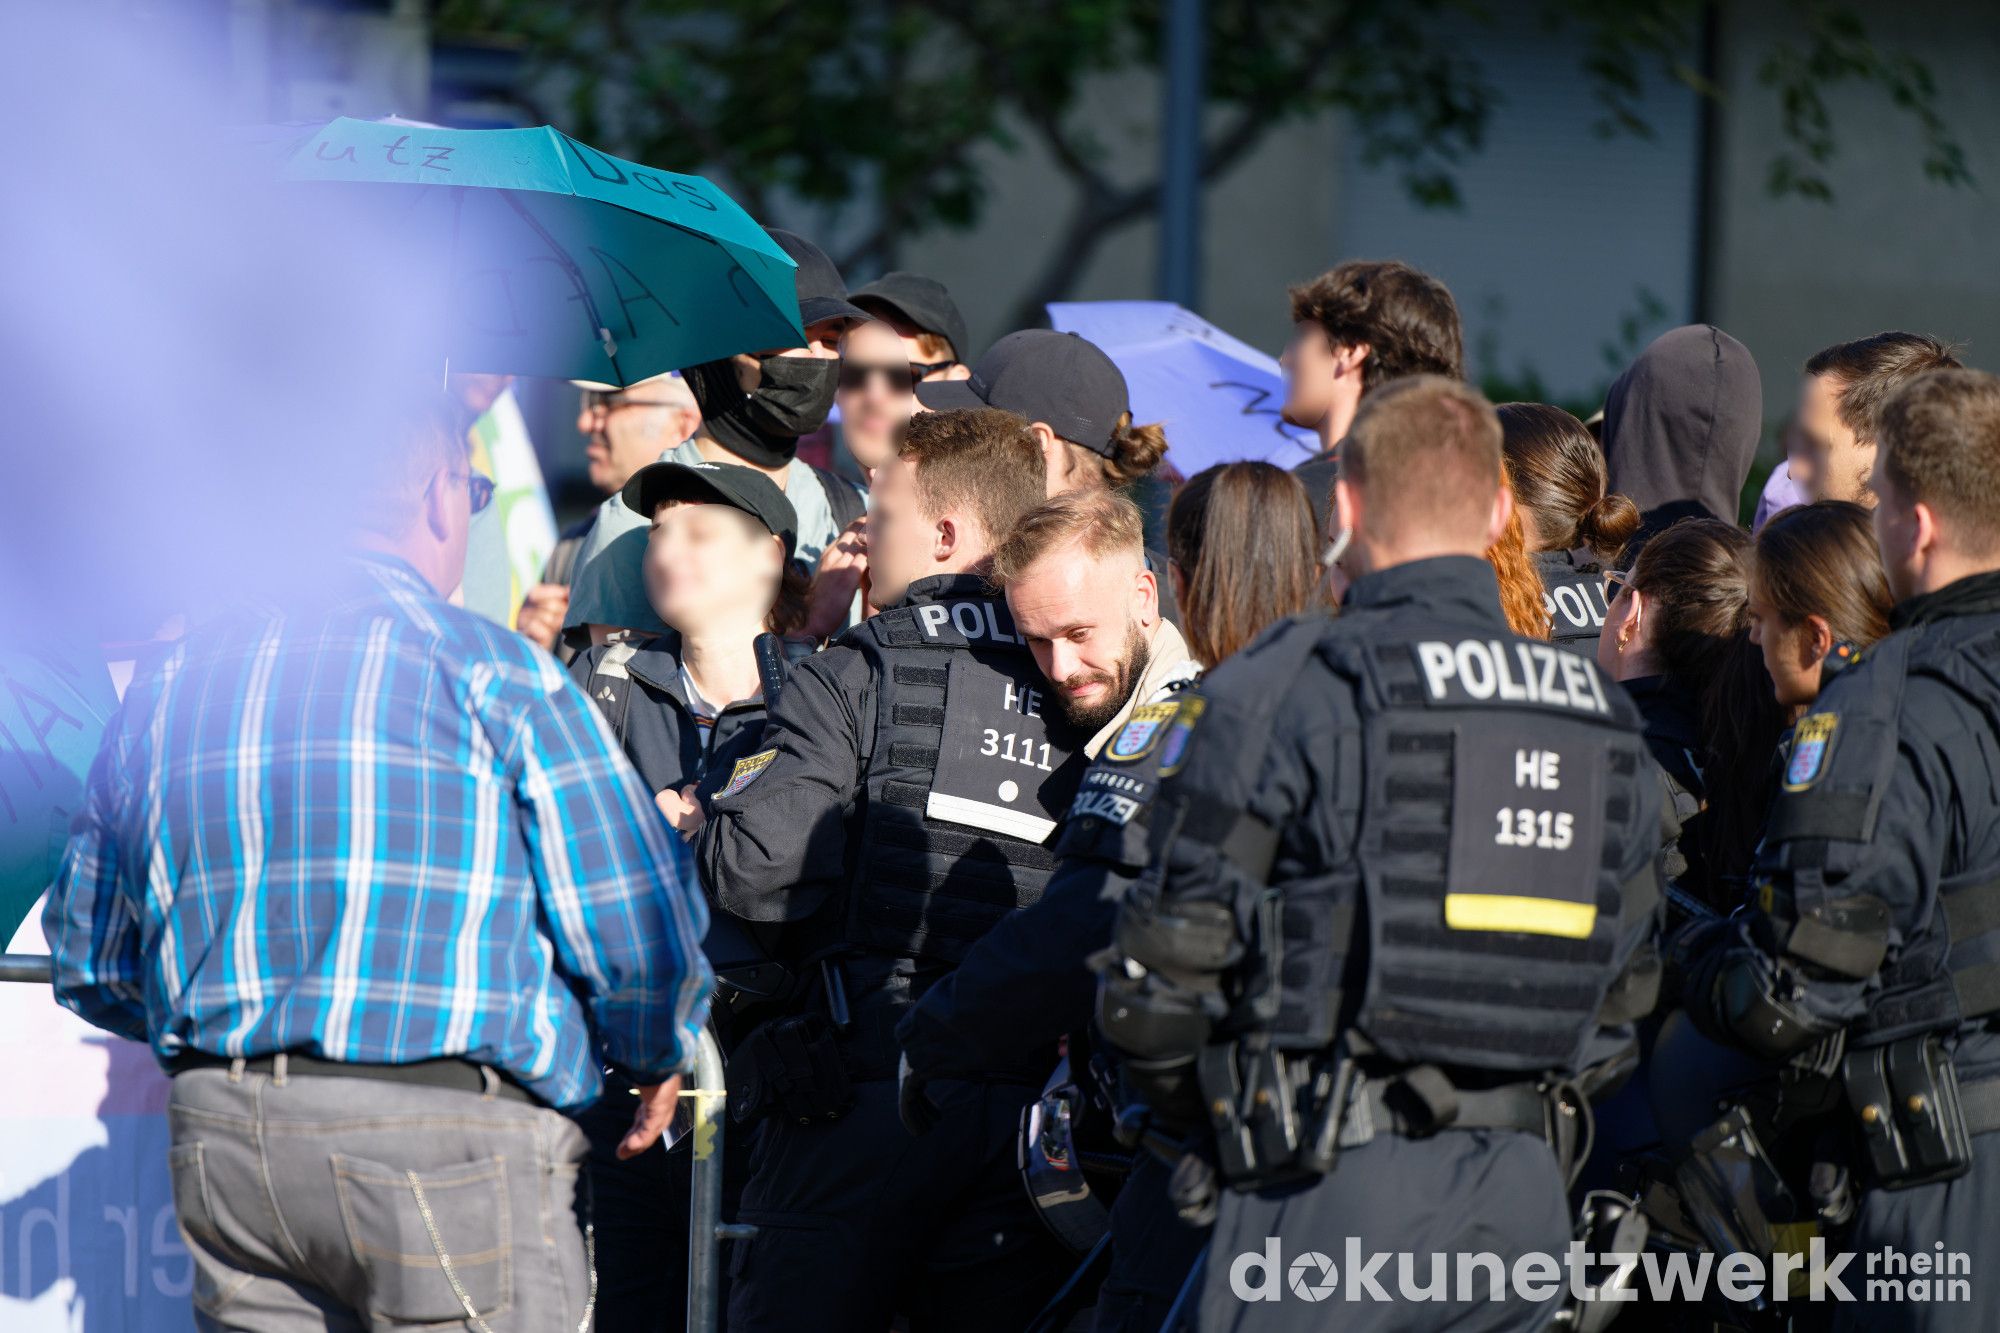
<point x="1614" y="579"/>
<point x="480" y="487"/>
<point x="901" y="379"/>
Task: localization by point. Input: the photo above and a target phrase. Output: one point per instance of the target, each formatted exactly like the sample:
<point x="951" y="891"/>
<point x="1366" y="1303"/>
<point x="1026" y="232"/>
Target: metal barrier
<point x="706" y="1229"/>
<point x="30" y="967"/>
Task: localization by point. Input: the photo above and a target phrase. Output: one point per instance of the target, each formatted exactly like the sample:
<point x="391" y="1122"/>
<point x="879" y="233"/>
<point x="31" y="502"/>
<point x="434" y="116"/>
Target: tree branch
<point x="715" y="153"/>
<point x="1102" y="209"/>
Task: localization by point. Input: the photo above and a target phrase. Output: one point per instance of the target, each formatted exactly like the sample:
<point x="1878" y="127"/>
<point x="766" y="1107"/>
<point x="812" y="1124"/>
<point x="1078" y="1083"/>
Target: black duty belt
<point x="1395" y="1106"/>
<point x="452" y="1074"/>
<point x="1981" y="1102"/>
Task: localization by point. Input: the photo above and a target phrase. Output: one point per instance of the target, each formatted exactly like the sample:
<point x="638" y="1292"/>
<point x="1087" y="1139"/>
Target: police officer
<point x="901" y="804"/>
<point x="1879" y="877"/>
<point x="684" y="705"/>
<point x="1400" y="863"/>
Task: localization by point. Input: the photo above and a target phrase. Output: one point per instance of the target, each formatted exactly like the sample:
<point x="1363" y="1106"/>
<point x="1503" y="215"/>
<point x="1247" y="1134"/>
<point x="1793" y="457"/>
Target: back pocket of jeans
<point x="432" y="1243"/>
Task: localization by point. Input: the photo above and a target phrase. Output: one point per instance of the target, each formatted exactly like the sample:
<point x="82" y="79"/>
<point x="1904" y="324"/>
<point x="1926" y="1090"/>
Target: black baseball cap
<point x="1060" y="379"/>
<point x="822" y="293"/>
<point x="743" y="488"/>
<point x="919" y="301"/>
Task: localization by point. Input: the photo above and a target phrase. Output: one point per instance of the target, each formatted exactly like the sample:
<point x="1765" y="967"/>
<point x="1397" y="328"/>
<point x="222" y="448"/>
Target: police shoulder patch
<point x="1810" y="743"/>
<point x="1136" y="738"/>
<point x="746" y="772"/>
<point x="1174" y="752"/>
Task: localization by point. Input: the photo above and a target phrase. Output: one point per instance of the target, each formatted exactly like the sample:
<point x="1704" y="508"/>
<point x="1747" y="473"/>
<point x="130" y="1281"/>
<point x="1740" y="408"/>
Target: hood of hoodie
<point x="1681" y="427"/>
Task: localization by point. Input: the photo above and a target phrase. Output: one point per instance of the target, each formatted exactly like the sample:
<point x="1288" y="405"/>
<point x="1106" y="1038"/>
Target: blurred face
<point x="1792" y="651"/>
<point x="1087" y="620"/>
<point x="901" y="540"/>
<point x="1312" y="375"/>
<point x="1835" y="464"/>
<point x="626" y="430"/>
<point x="875" y="395"/>
<point x="708" y="563"/>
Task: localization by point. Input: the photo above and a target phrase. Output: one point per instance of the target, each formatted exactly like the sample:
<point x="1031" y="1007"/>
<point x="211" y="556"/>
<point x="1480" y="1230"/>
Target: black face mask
<point x="792" y="399"/>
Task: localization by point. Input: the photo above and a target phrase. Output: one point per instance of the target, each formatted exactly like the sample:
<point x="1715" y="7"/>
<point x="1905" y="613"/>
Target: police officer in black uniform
<point x="673" y="737"/>
<point x="902" y="803"/>
<point x="1027" y="984"/>
<point x="1875" y="940"/>
<point x="1401" y="861"/>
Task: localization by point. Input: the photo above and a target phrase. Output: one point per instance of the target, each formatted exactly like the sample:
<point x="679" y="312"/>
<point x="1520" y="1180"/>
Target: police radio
<point x="773" y="666"/>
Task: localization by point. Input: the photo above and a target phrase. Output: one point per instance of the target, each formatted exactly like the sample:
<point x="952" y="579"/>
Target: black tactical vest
<point x="1495" y="822"/>
<point x="1948" y="971"/>
<point x="1573" y="595"/>
<point x="1492" y="801"/>
<point x="970" y="769"/>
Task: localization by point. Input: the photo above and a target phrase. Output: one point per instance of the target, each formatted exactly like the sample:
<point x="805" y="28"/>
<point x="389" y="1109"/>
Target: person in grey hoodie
<point x="1681" y="426"/>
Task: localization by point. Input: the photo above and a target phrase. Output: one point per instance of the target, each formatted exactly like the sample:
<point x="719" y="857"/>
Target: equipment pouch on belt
<point x="1612" y="1229"/>
<point x="1907" y="1110"/>
<point x="791" y="1066"/>
<point x="1190" y="937"/>
<point x="1732" y="1192"/>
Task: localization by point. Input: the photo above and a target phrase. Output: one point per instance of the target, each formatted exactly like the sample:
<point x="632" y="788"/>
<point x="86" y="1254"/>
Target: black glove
<point x="913" y="1103"/>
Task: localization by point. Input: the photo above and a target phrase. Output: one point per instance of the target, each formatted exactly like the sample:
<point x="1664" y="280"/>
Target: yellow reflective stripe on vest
<point x="1526" y="916"/>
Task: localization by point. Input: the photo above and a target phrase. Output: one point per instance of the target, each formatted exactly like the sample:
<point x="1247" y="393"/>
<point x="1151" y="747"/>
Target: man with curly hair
<point x="1355" y="328"/>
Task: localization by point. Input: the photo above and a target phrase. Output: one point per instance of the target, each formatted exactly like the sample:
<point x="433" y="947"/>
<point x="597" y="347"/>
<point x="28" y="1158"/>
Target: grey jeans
<point x="346" y="1204"/>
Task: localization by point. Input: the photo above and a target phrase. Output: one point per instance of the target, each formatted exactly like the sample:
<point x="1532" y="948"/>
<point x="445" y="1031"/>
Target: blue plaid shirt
<point x="378" y="830"/>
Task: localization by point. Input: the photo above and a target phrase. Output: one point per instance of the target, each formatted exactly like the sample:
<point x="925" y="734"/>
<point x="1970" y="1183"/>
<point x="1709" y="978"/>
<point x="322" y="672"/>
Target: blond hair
<point x="1099" y="523"/>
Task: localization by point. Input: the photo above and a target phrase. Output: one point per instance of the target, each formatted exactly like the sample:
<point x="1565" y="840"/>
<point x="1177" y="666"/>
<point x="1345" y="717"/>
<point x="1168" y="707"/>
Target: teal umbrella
<point x="552" y="258"/>
<point x="53" y="708"/>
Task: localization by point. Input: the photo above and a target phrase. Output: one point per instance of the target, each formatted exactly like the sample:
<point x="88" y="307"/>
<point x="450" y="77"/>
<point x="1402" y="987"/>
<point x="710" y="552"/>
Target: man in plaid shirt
<point x="372" y="879"/>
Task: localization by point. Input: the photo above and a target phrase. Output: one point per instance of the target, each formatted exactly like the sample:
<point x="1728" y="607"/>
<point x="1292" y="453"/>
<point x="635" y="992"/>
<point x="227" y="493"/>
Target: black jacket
<point x="647" y="708"/>
<point x="784" y="836"/>
<point x="1673" y="740"/>
<point x="1926" y="801"/>
<point x="656" y="725"/>
<point x="1317" y="474"/>
<point x="1671" y="733"/>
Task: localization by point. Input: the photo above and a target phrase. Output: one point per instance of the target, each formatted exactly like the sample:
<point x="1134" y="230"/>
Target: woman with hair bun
<point x="1573" y="527"/>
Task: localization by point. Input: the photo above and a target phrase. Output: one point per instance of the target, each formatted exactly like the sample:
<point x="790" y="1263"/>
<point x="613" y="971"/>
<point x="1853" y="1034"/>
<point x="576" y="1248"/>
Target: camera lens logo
<point x="1312" y="1276"/>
